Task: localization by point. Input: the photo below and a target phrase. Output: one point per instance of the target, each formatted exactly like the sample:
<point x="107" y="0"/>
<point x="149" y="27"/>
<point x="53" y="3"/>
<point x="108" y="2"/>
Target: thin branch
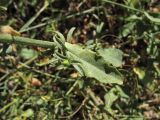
<point x="82" y="104"/>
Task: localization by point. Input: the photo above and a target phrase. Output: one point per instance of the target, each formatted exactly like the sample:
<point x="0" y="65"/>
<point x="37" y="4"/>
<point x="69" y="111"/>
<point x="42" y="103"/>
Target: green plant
<point x="84" y="60"/>
<point x="82" y="73"/>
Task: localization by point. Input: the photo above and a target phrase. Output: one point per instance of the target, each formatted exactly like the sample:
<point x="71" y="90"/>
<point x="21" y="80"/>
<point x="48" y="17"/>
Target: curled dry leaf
<point x="35" y="82"/>
<point x="151" y="115"/>
<point x="155" y="9"/>
<point x="9" y="30"/>
<point x="2" y="70"/>
<point x="155" y="101"/>
<point x="144" y="106"/>
<point x="75" y="75"/>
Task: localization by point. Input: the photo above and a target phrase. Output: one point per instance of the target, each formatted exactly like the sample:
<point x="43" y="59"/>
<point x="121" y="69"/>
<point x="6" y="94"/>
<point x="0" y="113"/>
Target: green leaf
<point x="70" y="33"/>
<point x="120" y="92"/>
<point x="110" y="97"/>
<point x="127" y="29"/>
<point x="92" y="66"/>
<point x="134" y="3"/>
<point x="99" y="27"/>
<point x="59" y="36"/>
<point x="59" y="39"/>
<point x="28" y="113"/>
<point x="2" y="8"/>
<point x="140" y="72"/>
<point x="112" y="56"/>
<point x="151" y="18"/>
<point x="28" y="53"/>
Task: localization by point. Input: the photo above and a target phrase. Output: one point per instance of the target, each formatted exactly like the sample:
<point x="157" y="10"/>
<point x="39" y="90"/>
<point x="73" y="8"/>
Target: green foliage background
<point x="110" y="71"/>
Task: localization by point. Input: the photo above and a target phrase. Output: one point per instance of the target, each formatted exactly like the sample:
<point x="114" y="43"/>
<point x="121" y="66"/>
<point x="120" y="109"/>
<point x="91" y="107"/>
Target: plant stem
<point x="124" y="6"/>
<point x="6" y="38"/>
<point x="8" y="105"/>
<point x="61" y="19"/>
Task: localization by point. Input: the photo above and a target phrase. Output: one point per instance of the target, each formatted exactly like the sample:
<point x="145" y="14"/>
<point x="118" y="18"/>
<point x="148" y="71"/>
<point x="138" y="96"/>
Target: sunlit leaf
<point x="28" y="53"/>
<point x="28" y="113"/>
<point x="70" y="33"/>
<point x="112" y="56"/>
<point x="127" y="29"/>
<point x="139" y="72"/>
<point x="110" y="97"/>
<point x="92" y="66"/>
